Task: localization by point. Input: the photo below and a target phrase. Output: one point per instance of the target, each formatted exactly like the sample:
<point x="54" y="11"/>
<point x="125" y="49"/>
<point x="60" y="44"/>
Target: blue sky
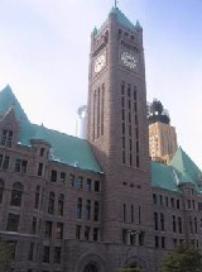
<point x="44" y="50"/>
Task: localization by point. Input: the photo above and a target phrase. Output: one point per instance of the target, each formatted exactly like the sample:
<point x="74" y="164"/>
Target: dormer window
<point x="7" y="137"/>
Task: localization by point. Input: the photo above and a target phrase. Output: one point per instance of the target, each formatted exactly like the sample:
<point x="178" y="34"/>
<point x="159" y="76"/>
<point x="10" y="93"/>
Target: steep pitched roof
<point x="163" y="177"/>
<point x="65" y="148"/>
<point x="122" y="19"/>
<point x="8" y="101"/>
<point x="181" y="170"/>
<point x="185" y="165"/>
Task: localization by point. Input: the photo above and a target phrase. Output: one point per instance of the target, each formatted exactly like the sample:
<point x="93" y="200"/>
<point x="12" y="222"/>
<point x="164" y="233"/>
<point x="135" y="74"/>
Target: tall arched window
<point x="51" y="203"/>
<point x="1" y="190"/>
<point x="16" y="195"/>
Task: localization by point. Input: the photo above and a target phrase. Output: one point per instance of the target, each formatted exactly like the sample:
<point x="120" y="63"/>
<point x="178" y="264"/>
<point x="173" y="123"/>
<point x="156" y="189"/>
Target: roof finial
<point x="115" y="3"/>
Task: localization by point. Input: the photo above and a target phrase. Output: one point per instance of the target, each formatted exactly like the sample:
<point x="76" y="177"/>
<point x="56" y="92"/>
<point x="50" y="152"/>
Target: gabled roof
<point x="64" y="148"/>
<point x="181" y="170"/>
<point x="8" y="101"/>
<point x="185" y="165"/>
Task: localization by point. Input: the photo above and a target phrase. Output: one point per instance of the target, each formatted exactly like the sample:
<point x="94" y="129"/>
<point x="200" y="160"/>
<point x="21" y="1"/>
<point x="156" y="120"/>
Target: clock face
<point x="100" y="63"/>
<point x="129" y="60"/>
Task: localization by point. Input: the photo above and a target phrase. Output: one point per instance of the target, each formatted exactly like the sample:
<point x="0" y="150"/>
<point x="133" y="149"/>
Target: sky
<point x="44" y="56"/>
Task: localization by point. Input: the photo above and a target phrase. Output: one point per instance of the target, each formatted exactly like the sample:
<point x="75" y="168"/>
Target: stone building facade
<point x="162" y="141"/>
<point x="96" y="205"/>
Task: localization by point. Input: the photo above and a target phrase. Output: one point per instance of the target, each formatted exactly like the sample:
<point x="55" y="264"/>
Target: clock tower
<point x="118" y="129"/>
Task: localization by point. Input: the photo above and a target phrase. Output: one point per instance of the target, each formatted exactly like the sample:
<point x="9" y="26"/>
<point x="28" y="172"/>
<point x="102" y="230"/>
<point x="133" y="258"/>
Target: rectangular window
<point x="139" y="215"/>
<point x="162" y="221"/>
<point x="156" y="221"/>
<point x="42" y="150"/>
<point x="124" y="236"/>
<point x="53" y="175"/>
<point x="141" y="238"/>
<point x="48" y="229"/>
<point x="59" y="231"/>
<point x="57" y="255"/>
<point x="174" y="223"/>
<point x="7" y="137"/>
<point x="12" y="246"/>
<point x="10" y="138"/>
<point x="163" y="242"/>
<point x="132" y="237"/>
<point x="95" y="234"/>
<point x="97" y="186"/>
<point x="79" y="208"/>
<point x="167" y="203"/>
<point x="13" y="222"/>
<point x="88" y="209"/>
<point x="102" y="109"/>
<point x="174" y="243"/>
<point x="6" y="162"/>
<point x="79" y="183"/>
<point x="46" y="254"/>
<point x="61" y="205"/>
<point x="78" y="232"/>
<point x="34" y="224"/>
<point x="62" y="177"/>
<point x="172" y="202"/>
<point x="156" y="241"/>
<point x="3" y="137"/>
<point x="180" y="224"/>
<point x="20" y="166"/>
<point x="132" y="213"/>
<point x="89" y="184"/>
<point x="72" y="179"/>
<point x="154" y="199"/>
<point x="96" y="211"/>
<point x="1" y="160"/>
<point x="189" y="204"/>
<point x="161" y="200"/>
<point x="178" y="204"/>
<point x="40" y="169"/>
<point x="31" y="252"/>
<point x="87" y="233"/>
<point x="98" y="113"/>
<point x="94" y="113"/>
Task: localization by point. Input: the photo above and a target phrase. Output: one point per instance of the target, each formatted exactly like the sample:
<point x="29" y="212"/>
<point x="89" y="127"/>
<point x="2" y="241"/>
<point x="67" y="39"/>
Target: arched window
<point x="51" y="203"/>
<point x="91" y="268"/>
<point x="1" y="190"/>
<point x="61" y="204"/>
<point x="16" y="195"/>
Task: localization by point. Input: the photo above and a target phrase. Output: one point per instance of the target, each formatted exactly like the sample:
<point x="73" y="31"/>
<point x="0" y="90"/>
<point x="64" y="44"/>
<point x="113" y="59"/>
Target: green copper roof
<point x="181" y="170"/>
<point x="122" y="19"/>
<point x="184" y="164"/>
<point x="8" y="100"/>
<point x="163" y="176"/>
<point x="64" y="148"/>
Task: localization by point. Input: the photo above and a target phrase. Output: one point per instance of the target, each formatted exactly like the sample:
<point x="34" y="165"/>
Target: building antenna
<point x="116" y="3"/>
